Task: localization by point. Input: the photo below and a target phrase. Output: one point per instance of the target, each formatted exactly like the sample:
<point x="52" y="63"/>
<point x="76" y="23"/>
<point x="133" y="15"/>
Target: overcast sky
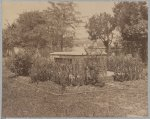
<point x="12" y="9"/>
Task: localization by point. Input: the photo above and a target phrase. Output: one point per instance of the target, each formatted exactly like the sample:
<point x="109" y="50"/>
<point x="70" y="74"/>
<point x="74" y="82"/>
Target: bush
<point x="65" y="73"/>
<point x="125" y="68"/>
<point x="111" y="63"/>
<point x="41" y="69"/>
<point x="95" y="66"/>
<point x="60" y="74"/>
<point x="21" y="63"/>
<point x="6" y="62"/>
<point x="44" y="69"/>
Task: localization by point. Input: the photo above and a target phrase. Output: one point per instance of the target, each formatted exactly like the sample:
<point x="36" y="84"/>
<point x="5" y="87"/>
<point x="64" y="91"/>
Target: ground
<point x="24" y="99"/>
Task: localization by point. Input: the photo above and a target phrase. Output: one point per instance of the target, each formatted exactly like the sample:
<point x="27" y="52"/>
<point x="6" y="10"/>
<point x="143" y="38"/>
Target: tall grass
<point x="79" y="72"/>
<point x="126" y="68"/>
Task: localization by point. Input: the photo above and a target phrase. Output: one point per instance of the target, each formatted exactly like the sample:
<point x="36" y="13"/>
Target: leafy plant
<point x="125" y="68"/>
<point x="132" y="22"/>
<point x="41" y="70"/>
<point x="65" y="73"/>
<point x="21" y="64"/>
<point x="100" y="27"/>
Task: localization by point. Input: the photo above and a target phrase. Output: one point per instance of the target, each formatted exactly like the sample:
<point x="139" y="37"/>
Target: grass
<point x="24" y="99"/>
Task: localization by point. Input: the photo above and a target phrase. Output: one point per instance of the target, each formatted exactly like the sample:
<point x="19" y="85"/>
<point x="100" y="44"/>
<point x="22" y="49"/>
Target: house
<point x="81" y="54"/>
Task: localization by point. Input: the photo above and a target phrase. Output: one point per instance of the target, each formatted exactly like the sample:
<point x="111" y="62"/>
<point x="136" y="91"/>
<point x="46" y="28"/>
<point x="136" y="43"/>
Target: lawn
<point x="24" y="99"/>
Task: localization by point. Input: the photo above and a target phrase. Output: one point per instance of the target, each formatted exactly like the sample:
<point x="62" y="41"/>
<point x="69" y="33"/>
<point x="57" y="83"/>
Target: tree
<point x="100" y="27"/>
<point x="62" y="20"/>
<point x="132" y="22"/>
<point x="9" y="38"/>
<point x="27" y="32"/>
<point x="32" y="30"/>
<point x="51" y="29"/>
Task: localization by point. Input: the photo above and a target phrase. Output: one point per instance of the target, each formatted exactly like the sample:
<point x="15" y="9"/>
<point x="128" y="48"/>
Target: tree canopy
<point x="62" y="20"/>
<point x="132" y="22"/>
<point x="100" y="27"/>
<point x="53" y="28"/>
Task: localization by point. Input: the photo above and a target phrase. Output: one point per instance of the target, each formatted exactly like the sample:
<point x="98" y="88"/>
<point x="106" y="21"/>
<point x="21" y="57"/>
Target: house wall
<point x="81" y="59"/>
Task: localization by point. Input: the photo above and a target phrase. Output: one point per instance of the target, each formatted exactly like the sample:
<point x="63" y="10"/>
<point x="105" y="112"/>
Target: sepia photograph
<point x="74" y="58"/>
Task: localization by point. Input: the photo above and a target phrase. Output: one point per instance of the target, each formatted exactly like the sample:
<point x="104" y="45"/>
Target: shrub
<point x="111" y="63"/>
<point x="95" y="66"/>
<point x="60" y="74"/>
<point x="6" y="62"/>
<point x="125" y="68"/>
<point x="67" y="74"/>
<point x="41" y="69"/>
<point x="44" y="69"/>
<point x="21" y="63"/>
<point x="64" y="73"/>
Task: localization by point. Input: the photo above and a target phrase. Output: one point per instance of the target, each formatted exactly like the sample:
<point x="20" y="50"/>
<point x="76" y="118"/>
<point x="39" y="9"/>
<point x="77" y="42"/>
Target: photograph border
<point x="1" y="14"/>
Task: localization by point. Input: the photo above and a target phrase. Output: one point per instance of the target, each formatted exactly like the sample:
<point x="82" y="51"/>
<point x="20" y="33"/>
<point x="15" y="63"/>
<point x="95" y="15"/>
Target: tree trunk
<point x="106" y="43"/>
<point x="61" y="43"/>
<point x="37" y="53"/>
<point x="107" y="48"/>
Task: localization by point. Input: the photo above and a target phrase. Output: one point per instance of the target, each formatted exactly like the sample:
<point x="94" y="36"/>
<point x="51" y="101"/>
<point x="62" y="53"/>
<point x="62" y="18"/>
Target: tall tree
<point x="9" y="38"/>
<point x="31" y="27"/>
<point x="100" y="27"/>
<point x="62" y="20"/>
<point x="27" y="32"/>
<point x="53" y="28"/>
<point x="132" y="22"/>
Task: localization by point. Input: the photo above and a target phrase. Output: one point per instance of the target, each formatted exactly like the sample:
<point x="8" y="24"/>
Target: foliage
<point x="62" y="20"/>
<point x="52" y="28"/>
<point x="95" y="69"/>
<point x="101" y="27"/>
<point x="41" y="70"/>
<point x="132" y="22"/>
<point x="21" y="63"/>
<point x="138" y="33"/>
<point x="44" y="69"/>
<point x="27" y="32"/>
<point x="129" y="13"/>
<point x="9" y="38"/>
<point x="125" y="67"/>
<point x="64" y="73"/>
<point x="6" y="62"/>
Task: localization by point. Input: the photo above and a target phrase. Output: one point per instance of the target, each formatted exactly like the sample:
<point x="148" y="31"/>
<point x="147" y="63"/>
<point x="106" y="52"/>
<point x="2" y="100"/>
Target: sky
<point x="12" y="9"/>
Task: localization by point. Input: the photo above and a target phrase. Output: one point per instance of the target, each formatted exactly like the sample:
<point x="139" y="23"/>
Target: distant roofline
<point x="98" y="48"/>
<point x="74" y="54"/>
<point x="67" y="53"/>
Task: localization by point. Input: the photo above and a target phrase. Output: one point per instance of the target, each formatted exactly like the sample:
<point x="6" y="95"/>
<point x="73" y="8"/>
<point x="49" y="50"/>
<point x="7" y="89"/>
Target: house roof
<point x="79" y="53"/>
<point x="68" y="53"/>
<point x="85" y="47"/>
